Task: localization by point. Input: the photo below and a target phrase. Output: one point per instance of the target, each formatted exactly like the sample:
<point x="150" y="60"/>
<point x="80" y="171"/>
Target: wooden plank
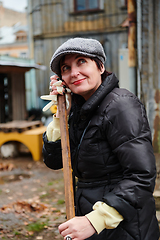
<point x="19" y="126"/>
<point x="67" y="168"/>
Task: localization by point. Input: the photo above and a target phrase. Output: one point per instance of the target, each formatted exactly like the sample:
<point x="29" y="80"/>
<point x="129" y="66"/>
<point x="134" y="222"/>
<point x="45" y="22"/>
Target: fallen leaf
<point x="39" y="237"/>
<point x="24" y="206"/>
<point x="25" y="223"/>
<point x="6" y="166"/>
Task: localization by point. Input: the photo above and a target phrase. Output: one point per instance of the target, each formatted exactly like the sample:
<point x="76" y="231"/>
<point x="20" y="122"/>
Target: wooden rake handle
<point x="66" y="157"/>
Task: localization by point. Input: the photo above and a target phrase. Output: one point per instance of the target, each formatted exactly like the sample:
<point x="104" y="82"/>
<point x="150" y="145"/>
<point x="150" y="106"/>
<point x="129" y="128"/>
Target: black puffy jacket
<point x="112" y="157"/>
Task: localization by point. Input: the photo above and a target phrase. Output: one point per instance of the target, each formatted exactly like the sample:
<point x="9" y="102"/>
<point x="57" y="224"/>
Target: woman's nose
<point x="74" y="71"/>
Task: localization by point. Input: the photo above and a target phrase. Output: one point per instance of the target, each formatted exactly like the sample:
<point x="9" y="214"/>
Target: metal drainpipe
<point x="139" y="46"/>
<point x="132" y="44"/>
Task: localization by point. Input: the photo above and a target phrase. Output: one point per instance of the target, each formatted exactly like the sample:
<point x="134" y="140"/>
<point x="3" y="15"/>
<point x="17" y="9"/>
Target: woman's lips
<point x="78" y="81"/>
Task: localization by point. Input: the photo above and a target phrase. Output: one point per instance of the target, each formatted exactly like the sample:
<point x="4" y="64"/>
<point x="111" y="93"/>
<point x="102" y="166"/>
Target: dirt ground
<point x="31" y="199"/>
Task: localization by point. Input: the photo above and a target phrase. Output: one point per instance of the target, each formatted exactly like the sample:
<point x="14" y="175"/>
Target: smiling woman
<point x="111" y="149"/>
<point x="81" y="74"/>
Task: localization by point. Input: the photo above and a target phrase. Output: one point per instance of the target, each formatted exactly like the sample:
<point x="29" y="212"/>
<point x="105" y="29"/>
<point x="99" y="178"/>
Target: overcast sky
<point x="17" y="5"/>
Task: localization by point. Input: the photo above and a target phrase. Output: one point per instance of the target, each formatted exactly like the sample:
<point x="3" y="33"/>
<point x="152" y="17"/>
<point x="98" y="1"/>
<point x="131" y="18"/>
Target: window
<point x="123" y="4"/>
<point x="87" y="5"/>
<point x="23" y="55"/>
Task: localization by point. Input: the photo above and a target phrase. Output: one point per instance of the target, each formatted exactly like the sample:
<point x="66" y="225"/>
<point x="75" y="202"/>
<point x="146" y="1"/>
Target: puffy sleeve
<point x="52" y="154"/>
<point x="128" y="133"/>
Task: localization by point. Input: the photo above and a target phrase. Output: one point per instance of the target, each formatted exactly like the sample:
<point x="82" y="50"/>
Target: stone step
<point x="156" y="195"/>
<point x="158" y="216"/>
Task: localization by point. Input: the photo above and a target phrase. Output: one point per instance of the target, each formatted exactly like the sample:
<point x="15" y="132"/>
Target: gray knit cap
<point x="85" y="46"/>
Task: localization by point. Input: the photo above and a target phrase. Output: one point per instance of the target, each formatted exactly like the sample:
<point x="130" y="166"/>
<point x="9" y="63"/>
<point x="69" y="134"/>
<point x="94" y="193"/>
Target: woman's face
<point x="81" y="74"/>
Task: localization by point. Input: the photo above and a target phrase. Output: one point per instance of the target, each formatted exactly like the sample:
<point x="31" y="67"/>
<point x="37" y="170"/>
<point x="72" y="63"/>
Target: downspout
<point x="139" y="47"/>
<point x="132" y="44"/>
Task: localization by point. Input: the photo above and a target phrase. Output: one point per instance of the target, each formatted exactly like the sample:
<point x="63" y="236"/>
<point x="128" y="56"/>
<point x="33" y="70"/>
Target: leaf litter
<point x="31" y="208"/>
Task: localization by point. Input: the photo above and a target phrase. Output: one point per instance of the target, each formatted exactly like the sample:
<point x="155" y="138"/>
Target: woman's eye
<point x="82" y="60"/>
<point x="64" y="68"/>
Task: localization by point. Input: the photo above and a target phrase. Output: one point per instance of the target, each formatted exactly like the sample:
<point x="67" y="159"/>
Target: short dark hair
<point x="100" y="65"/>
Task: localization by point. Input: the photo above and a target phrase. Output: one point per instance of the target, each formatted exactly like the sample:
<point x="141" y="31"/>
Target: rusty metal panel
<point x="132" y="36"/>
<point x="155" y="74"/>
<point x="156" y="122"/>
<point x="150" y="74"/>
<point x="158" y="44"/>
<point x="151" y="32"/>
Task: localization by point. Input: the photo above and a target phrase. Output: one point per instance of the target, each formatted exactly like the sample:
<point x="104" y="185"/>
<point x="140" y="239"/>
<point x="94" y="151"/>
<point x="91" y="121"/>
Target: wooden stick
<point x="67" y="169"/>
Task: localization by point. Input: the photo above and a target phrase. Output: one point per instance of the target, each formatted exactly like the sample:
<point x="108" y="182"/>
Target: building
<point x="14" y="51"/>
<point x="128" y="30"/>
<point x="9" y="17"/>
<point x="53" y="22"/>
<point x="13" y="33"/>
<point x="13" y="41"/>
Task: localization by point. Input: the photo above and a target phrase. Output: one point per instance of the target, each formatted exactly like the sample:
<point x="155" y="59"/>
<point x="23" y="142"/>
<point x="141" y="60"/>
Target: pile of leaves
<point x="6" y="166"/>
<point x="23" y="206"/>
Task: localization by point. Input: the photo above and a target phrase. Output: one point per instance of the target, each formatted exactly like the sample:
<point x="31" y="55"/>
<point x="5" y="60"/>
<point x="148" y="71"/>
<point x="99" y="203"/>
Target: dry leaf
<point x="6" y="166"/>
<point x="23" y="206"/>
<point x="39" y="237"/>
<point x="25" y="223"/>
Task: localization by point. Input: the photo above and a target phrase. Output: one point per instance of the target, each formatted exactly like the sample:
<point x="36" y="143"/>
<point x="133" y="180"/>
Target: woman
<point x="111" y="149"/>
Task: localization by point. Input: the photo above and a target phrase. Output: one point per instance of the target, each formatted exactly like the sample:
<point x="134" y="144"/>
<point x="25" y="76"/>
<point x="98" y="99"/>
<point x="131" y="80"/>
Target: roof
<point x="28" y="66"/>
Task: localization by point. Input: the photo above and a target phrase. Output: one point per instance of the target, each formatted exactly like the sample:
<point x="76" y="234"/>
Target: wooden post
<point x="67" y="169"/>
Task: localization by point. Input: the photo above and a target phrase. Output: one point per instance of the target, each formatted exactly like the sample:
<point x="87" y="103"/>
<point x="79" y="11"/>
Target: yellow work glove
<point x="53" y="130"/>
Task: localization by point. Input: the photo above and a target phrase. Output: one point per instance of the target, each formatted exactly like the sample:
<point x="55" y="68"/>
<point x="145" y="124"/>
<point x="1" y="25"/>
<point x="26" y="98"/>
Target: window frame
<point x="123" y="4"/>
<point x="100" y="7"/>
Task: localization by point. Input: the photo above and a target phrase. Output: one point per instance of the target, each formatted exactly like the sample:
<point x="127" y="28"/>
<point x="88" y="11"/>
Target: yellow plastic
<point x="32" y="139"/>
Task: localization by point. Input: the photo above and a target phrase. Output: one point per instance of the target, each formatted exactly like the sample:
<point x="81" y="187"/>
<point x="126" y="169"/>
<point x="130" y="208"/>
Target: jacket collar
<point x="106" y="87"/>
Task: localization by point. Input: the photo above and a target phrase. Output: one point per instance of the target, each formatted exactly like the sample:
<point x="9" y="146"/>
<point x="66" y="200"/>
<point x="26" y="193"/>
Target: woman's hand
<point x="54" y="80"/>
<point x="58" y="86"/>
<point x="78" y="228"/>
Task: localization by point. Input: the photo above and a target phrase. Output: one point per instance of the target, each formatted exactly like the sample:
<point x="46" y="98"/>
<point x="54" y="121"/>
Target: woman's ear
<point x="102" y="69"/>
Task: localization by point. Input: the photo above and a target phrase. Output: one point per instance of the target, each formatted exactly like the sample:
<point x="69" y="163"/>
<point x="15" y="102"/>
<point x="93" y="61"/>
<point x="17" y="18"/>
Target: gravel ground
<point x="31" y="199"/>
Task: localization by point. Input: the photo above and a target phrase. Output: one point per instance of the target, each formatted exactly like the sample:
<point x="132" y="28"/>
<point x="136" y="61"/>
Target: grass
<point x="44" y="195"/>
<point x="36" y="226"/>
<point x="60" y="201"/>
<point x="50" y="183"/>
<point x="17" y="233"/>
